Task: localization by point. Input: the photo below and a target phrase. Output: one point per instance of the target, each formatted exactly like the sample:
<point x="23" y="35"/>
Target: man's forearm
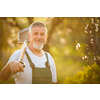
<point x="5" y="73"/>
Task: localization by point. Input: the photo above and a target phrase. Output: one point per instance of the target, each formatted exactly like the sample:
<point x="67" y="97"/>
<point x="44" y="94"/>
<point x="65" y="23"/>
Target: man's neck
<point x="36" y="52"/>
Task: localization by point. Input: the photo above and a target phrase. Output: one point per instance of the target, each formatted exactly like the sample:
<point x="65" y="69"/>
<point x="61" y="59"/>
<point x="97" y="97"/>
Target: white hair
<point x="39" y="24"/>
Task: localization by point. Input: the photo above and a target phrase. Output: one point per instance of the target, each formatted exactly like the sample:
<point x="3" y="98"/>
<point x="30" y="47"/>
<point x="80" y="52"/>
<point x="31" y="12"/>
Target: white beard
<point x="38" y="47"/>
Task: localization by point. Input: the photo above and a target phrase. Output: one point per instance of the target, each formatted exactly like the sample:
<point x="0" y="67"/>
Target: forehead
<point x="38" y="29"/>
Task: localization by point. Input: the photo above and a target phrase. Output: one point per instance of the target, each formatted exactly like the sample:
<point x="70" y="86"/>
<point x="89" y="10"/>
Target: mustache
<point x="40" y="40"/>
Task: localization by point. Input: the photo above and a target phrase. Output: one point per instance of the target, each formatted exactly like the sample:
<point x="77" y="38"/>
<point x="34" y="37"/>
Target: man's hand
<point x="11" y="68"/>
<point x="16" y="66"/>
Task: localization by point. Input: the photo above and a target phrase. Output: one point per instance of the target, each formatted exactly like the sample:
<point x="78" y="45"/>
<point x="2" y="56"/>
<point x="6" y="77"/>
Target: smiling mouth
<point x="38" y="41"/>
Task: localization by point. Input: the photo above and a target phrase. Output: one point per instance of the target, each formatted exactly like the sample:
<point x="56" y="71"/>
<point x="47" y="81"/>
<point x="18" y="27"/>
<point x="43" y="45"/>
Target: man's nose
<point x="39" y="35"/>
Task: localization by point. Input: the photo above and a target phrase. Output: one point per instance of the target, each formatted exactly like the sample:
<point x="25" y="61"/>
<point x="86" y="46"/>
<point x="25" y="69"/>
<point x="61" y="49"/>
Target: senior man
<point x="40" y="66"/>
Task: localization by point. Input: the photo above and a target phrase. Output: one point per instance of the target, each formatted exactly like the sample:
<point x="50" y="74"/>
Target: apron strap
<point x="30" y="61"/>
<point x="47" y="62"/>
<point x="46" y="56"/>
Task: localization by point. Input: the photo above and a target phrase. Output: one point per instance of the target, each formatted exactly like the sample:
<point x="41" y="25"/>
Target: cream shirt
<point x="26" y="76"/>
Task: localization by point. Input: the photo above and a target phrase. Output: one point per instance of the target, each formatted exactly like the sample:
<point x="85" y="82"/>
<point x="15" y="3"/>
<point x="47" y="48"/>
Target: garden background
<point x="63" y="35"/>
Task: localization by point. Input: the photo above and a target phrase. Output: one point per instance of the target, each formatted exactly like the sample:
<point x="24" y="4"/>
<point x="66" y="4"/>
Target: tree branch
<point x="94" y="43"/>
<point x="93" y="68"/>
<point x="85" y="26"/>
<point x="97" y="52"/>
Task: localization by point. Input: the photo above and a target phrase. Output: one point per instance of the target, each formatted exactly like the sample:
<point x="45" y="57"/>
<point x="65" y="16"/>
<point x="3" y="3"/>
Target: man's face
<point x="37" y="37"/>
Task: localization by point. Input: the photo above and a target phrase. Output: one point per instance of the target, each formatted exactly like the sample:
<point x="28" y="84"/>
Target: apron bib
<point x="40" y="75"/>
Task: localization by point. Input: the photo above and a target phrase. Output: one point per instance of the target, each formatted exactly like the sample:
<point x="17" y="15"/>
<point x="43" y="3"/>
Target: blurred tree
<point x="54" y="22"/>
<point x="30" y="20"/>
<point x="1" y="37"/>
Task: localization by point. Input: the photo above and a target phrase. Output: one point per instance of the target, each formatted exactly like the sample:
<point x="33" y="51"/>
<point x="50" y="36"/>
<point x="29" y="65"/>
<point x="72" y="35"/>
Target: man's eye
<point x="35" y="33"/>
<point x="42" y="34"/>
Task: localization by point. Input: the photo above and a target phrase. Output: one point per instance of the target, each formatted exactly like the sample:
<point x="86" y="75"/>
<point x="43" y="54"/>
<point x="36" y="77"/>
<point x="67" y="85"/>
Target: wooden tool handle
<point x="23" y="50"/>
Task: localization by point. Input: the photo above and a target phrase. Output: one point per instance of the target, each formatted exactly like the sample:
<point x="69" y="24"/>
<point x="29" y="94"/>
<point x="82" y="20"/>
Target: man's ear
<point x="46" y="38"/>
<point x="29" y="36"/>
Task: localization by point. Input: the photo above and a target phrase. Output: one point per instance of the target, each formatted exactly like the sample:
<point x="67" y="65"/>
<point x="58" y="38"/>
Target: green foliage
<point x="88" y="76"/>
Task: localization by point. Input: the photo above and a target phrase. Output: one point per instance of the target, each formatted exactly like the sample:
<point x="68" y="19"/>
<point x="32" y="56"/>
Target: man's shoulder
<point x="50" y="59"/>
<point x="17" y="51"/>
<point x="14" y="56"/>
<point x="48" y="54"/>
